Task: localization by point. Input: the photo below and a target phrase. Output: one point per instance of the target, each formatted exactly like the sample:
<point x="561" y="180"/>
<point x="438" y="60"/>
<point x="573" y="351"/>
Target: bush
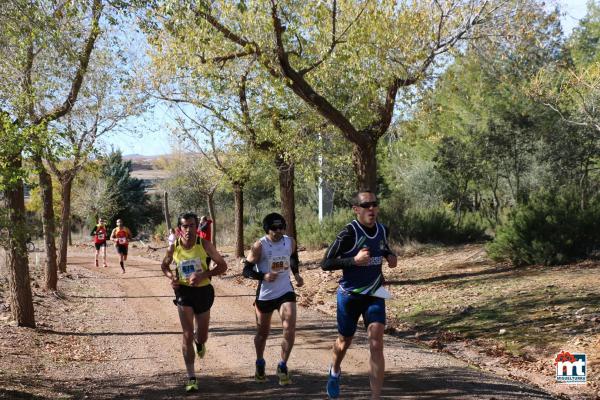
<point x="551" y="229"/>
<point x="440" y="225"/>
<point x="318" y="235"/>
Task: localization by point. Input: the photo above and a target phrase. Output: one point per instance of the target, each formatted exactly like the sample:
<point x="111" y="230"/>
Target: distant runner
<point x="359" y="251"/>
<point x="121" y="236"/>
<point x="205" y="228"/>
<point x="100" y="235"/>
<point x="194" y="294"/>
<point x="270" y="261"/>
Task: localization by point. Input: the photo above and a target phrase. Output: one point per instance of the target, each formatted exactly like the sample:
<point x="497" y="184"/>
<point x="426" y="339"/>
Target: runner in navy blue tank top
<point x="359" y="251"/>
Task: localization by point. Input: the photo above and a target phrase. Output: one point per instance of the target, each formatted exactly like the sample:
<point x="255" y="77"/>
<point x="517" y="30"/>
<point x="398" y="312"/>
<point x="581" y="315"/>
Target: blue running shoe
<point x="333" y="386"/>
<point x="259" y="375"/>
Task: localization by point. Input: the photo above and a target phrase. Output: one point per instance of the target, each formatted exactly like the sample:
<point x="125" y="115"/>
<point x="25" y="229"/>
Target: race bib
<point x="101" y="236"/>
<point x="188" y="267"/>
<point x="122" y="240"/>
<point x="279" y="263"/>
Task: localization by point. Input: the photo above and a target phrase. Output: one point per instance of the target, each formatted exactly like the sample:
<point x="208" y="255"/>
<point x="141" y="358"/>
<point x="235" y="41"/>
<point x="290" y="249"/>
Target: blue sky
<point x="152" y="129"/>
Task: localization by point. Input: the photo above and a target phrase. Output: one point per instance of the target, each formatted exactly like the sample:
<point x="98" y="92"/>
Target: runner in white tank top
<point x="270" y="261"/>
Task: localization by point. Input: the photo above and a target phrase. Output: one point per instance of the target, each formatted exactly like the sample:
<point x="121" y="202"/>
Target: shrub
<point x="318" y="235"/>
<point x="551" y="229"/>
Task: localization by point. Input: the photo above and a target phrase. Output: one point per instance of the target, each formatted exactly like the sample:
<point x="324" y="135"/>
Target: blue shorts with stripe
<point x="351" y="306"/>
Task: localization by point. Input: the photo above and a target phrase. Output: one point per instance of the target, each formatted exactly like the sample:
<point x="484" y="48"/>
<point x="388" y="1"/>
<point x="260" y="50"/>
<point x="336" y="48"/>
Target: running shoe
<point x="200" y="349"/>
<point x="191" y="385"/>
<point x="283" y="374"/>
<point x="259" y="375"/>
<point x="333" y="386"/>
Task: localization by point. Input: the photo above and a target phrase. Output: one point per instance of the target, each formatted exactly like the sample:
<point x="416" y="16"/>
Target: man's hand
<point x="271" y="276"/>
<point x="174" y="282"/>
<point x="363" y="257"/>
<point x="299" y="280"/>
<point x="392" y="261"/>
<point x="198" y="277"/>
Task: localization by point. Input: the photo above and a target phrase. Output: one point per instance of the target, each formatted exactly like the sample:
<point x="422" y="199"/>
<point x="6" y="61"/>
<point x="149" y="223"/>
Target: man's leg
<point x="186" y="317"/>
<point x="104" y="254"/>
<point x="376" y="361"/>
<point x="263" y="327"/>
<point x="287" y="312"/>
<point x="97" y="251"/>
<point x="340" y="346"/>
<point x="201" y="332"/>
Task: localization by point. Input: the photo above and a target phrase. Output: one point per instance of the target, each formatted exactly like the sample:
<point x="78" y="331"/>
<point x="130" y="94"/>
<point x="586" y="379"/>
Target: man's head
<point x="274" y="226"/>
<point x="119" y="223"/>
<point x="366" y="207"/>
<point x="100" y="221"/>
<point x="187" y="224"/>
<point x="203" y="219"/>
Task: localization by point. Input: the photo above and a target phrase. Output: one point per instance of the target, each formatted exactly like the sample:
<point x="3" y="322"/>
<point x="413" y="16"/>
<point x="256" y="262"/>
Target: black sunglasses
<point x="369" y="204"/>
<point x="277" y="228"/>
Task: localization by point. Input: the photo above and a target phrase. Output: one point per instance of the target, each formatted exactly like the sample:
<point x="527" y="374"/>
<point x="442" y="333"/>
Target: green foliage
<point x="551" y="229"/>
<point x="318" y="235"/>
<point x="436" y="225"/>
<point x="127" y="193"/>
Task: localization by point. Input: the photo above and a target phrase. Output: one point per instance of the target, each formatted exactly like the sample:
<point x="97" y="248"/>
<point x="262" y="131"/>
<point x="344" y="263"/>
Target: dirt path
<point x="133" y="328"/>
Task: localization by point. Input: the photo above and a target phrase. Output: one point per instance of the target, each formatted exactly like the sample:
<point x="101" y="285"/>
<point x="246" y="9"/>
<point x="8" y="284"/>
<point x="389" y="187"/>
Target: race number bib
<point x="100" y="235"/>
<point x="279" y="263"/>
<point x="122" y="240"/>
<point x="188" y="267"/>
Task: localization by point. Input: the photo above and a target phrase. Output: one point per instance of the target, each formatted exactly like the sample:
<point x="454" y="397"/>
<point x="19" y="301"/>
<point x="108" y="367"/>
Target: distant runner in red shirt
<point x="205" y="228"/>
<point x="121" y="236"/>
<point x="100" y="235"/>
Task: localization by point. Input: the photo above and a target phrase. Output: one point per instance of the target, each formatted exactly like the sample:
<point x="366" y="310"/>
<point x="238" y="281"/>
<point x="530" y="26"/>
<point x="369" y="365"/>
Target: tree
<point x="31" y="34"/>
<point x="346" y="60"/>
<point x="129" y="194"/>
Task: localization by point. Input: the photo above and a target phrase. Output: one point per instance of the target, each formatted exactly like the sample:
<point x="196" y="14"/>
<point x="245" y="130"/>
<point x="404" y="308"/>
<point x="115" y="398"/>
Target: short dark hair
<point x="355" y="200"/>
<point x="187" y="215"/>
<point x="273" y="219"/>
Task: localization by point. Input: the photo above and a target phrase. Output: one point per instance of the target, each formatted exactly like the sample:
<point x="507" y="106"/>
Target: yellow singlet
<point x="189" y="261"/>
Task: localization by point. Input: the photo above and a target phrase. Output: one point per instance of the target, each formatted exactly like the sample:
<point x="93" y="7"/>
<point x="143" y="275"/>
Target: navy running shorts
<point x="351" y="306"/>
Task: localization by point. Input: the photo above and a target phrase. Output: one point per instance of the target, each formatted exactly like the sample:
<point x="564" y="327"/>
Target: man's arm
<point x="216" y="257"/>
<point x="295" y="263"/>
<point x="165" y="266"/>
<point x="343" y="242"/>
<point x="94" y="231"/>
<point x="113" y="234"/>
<point x="389" y="255"/>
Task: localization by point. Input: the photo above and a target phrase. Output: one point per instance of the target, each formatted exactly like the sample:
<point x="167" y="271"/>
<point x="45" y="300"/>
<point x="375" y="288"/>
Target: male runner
<point x="121" y="236"/>
<point x="194" y="294"/>
<point x="99" y="233"/>
<point x="358" y="251"/>
<point x="270" y="261"/>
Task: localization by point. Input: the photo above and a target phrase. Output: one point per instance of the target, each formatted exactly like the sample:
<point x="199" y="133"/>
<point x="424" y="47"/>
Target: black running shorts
<point x="98" y="245"/>
<point x="122" y="249"/>
<point x="199" y="298"/>
<point x="268" y="306"/>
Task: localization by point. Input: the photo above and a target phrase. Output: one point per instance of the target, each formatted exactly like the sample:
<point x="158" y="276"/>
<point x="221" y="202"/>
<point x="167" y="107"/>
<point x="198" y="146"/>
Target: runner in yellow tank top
<point x="194" y="294"/>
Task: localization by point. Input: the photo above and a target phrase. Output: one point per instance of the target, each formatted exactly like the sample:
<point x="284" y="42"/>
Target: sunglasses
<point x="368" y="204"/>
<point x="277" y="228"/>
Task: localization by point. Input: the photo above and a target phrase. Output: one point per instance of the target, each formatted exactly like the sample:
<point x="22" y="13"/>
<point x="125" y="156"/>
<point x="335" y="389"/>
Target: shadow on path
<point x="440" y="383"/>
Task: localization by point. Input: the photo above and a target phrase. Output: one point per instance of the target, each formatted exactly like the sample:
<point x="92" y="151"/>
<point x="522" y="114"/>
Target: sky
<point x="151" y="133"/>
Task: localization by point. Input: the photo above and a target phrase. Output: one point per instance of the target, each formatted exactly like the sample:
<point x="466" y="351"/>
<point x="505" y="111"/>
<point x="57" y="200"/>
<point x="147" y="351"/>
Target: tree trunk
<point x="210" y="202"/>
<point x="17" y="262"/>
<point x="166" y="210"/>
<point x="238" y="192"/>
<point x="65" y="222"/>
<point x="365" y="165"/>
<point x="49" y="226"/>
<point x="288" y="199"/>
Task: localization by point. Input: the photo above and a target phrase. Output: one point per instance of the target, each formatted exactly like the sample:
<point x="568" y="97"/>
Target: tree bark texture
<point x="238" y="192"/>
<point x="288" y="199"/>
<point x="17" y="261"/>
<point x="49" y="227"/>
<point x="65" y="222"/>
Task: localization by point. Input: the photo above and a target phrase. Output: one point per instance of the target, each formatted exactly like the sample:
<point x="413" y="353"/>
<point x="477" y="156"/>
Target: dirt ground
<point x="107" y="335"/>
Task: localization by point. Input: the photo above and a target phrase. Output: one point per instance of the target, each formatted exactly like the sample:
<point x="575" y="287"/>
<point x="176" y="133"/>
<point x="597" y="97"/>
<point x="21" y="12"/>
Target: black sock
<point x="122" y="265"/>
